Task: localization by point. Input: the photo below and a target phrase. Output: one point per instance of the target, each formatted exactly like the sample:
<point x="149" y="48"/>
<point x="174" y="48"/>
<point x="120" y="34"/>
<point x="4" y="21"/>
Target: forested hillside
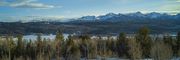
<point x="91" y="27"/>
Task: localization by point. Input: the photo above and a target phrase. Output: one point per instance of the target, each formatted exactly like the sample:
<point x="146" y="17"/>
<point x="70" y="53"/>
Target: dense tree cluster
<point x="138" y="46"/>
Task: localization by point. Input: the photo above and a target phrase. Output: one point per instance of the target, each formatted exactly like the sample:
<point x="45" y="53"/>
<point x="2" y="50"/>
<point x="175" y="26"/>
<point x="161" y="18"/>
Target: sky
<point x="14" y="9"/>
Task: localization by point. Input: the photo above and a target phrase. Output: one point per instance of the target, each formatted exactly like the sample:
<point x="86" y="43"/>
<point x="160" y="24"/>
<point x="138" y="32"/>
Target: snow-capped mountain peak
<point x="88" y="18"/>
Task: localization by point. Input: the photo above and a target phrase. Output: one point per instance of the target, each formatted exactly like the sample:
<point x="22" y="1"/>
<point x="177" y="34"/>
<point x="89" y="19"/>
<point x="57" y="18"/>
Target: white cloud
<point x="174" y="1"/>
<point x="31" y="18"/>
<point x="177" y="0"/>
<point x="127" y="1"/>
<point x="32" y="5"/>
<point x="169" y="6"/>
<point x="25" y="4"/>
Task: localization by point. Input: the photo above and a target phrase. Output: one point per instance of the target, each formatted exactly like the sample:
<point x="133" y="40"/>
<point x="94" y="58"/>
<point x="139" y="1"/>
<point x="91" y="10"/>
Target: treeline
<point x="96" y="27"/>
<point x="140" y="46"/>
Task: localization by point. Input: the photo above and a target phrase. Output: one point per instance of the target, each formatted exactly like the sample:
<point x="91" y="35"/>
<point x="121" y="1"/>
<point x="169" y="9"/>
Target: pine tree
<point x="20" y="46"/>
<point x="84" y="45"/>
<point x="29" y="49"/>
<point x="178" y="43"/>
<point x="122" y="45"/>
<point x="59" y="36"/>
<point x="39" y="44"/>
<point x="58" y="40"/>
<point x="178" y="40"/>
<point x="72" y="50"/>
<point x="145" y="41"/>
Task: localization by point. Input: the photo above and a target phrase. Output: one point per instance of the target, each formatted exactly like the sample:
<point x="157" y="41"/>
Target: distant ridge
<point x="109" y="17"/>
<point x="112" y="17"/>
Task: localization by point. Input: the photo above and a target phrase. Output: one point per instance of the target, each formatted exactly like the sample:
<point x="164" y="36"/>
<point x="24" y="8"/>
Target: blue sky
<point x="11" y="9"/>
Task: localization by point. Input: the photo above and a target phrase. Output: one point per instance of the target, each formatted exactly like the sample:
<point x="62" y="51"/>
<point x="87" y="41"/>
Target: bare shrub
<point x="161" y="51"/>
<point x="135" y="51"/>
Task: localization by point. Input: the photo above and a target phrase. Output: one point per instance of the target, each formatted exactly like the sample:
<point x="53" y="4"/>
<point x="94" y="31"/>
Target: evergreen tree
<point x="84" y="47"/>
<point x="72" y="50"/>
<point x="178" y="40"/>
<point x="39" y="38"/>
<point x="58" y="42"/>
<point x="59" y="36"/>
<point x="39" y="45"/>
<point x="29" y="50"/>
<point x="178" y="43"/>
<point x="122" y="45"/>
<point x="20" y="46"/>
<point x="145" y="41"/>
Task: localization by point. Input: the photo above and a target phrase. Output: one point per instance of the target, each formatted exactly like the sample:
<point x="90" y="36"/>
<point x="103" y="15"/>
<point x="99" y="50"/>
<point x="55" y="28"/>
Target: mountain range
<point x="103" y="24"/>
<point x="112" y="17"/>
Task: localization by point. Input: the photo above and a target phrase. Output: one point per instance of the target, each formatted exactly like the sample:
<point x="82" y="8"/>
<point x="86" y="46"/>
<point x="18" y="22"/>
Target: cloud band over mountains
<point x="25" y="4"/>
